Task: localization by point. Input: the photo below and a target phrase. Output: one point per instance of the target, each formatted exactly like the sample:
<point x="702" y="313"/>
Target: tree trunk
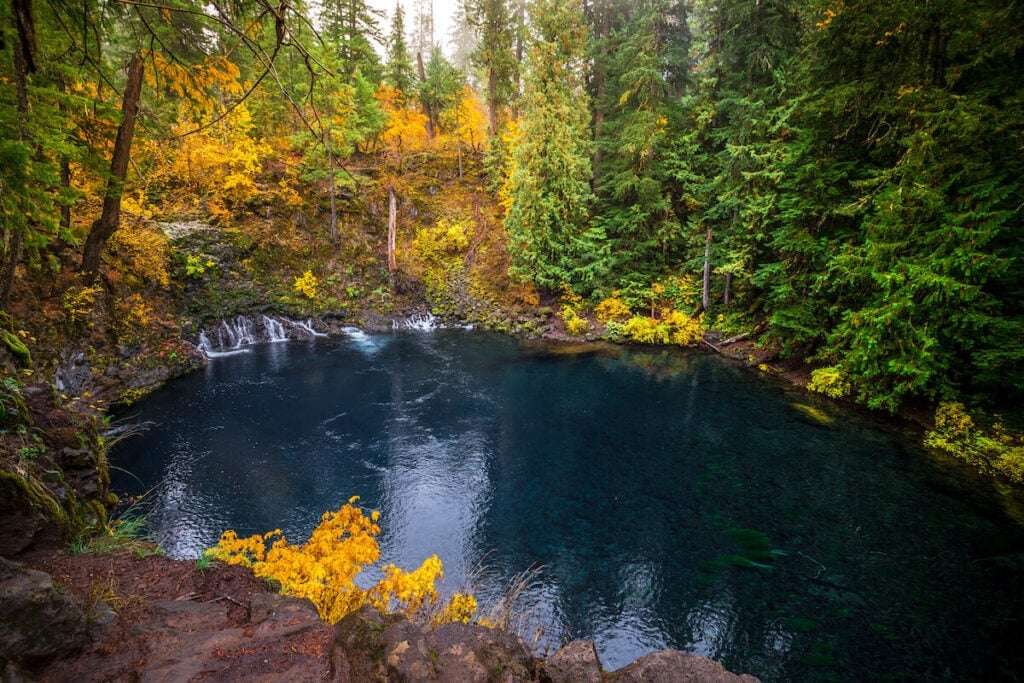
<point x="110" y="218"/>
<point x="492" y="101"/>
<point x="728" y="288"/>
<point x="24" y="64"/>
<point x="706" y="293"/>
<point x="427" y="111"/>
<point x="334" y="201"/>
<point x="392" y="229"/>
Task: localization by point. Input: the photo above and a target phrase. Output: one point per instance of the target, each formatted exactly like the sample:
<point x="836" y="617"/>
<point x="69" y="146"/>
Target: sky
<point x="443" y="12"/>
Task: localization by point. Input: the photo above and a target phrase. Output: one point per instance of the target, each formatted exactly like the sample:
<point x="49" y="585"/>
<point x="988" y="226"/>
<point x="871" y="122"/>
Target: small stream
<point x="669" y="499"/>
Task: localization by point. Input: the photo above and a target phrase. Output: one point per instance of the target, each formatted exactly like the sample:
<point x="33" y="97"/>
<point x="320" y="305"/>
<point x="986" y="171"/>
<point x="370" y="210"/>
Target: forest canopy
<point x="848" y="175"/>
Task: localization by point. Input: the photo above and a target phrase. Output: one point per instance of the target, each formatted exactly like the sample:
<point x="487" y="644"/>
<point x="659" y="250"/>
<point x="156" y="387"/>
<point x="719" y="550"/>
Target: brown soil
<point x="139" y="631"/>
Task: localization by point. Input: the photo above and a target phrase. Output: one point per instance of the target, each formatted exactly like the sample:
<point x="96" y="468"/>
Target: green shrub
<point x="829" y="381"/>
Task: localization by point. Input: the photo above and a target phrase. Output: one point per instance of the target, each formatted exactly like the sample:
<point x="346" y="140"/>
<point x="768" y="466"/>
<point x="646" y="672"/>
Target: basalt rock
<point x="673" y="666"/>
<point x="49" y="623"/>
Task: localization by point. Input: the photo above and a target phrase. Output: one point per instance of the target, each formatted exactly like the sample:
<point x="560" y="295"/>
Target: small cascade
<point x="236" y="334"/>
<point x="274" y="329"/>
<point x="306" y="326"/>
<point x="204" y="343"/>
<point x="421" y="322"/>
<point x="363" y="342"/>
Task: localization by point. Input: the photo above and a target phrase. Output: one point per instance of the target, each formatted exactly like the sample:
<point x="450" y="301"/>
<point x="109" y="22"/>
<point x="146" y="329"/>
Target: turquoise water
<point x="668" y="498"/>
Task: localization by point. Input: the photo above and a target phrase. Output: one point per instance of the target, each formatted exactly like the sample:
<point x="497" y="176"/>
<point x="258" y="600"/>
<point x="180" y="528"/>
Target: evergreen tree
<point x="398" y="71"/>
<point x="494" y="54"/>
<point x="550" y="240"/>
<point x="352" y="27"/>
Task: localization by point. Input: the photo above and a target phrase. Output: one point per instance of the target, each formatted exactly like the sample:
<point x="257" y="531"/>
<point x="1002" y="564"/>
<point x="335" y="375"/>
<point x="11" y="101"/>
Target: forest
<point x="842" y="179"/>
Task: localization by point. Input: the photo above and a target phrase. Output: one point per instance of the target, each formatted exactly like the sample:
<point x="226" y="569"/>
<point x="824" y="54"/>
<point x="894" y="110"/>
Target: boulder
<point x="476" y="653"/>
<point x="39" y="622"/>
<point x="576" y="662"/>
<point x="370" y="646"/>
<point x="673" y="666"/>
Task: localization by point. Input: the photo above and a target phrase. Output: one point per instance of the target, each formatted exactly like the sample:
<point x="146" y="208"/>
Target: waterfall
<point x="420" y="322"/>
<point x="306" y="326"/>
<point x="204" y="343"/>
<point x="236" y="334"/>
<point x="232" y="335"/>
<point x="274" y="329"/>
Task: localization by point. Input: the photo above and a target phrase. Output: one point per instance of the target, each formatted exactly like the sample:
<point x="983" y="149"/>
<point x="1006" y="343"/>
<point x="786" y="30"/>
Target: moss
<point x="16" y="347"/>
<point x="25" y="491"/>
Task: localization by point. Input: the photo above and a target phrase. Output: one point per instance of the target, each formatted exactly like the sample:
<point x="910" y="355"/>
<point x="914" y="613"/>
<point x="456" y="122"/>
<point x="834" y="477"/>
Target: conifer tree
<point x="550" y="240"/>
<point x="398" y="71"/>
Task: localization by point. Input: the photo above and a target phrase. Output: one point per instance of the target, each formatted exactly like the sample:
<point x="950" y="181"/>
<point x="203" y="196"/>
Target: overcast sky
<point x="443" y="11"/>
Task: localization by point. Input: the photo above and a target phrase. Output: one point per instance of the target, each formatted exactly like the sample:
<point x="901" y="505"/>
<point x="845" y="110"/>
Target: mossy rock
<point x="16" y="347"/>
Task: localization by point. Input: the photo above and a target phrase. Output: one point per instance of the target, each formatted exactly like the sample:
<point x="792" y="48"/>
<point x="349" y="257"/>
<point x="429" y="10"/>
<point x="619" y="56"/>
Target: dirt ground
<point x="163" y="619"/>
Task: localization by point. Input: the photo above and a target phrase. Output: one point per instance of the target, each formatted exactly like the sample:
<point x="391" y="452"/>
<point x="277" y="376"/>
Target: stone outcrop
<point x="162" y="620"/>
<point x="673" y="666"/>
<point x="43" y="622"/>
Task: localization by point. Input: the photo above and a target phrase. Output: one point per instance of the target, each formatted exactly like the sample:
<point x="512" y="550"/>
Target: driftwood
<point x="731" y="340"/>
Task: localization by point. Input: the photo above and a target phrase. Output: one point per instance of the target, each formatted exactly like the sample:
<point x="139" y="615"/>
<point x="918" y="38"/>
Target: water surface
<point x="671" y="499"/>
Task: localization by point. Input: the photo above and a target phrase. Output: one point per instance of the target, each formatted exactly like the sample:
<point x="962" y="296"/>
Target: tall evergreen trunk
<point x="427" y="110"/>
<point x="334" y="200"/>
<point x="24" y="63"/>
<point x="110" y="218"/>
<point x="705" y="297"/>
<point x="492" y="101"/>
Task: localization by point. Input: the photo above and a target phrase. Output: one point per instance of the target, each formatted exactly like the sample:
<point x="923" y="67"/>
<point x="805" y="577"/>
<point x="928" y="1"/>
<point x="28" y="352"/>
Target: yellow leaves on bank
<point x="325" y="567"/>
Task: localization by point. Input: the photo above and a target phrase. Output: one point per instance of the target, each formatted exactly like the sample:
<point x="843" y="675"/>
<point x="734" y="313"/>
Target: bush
<point x="612" y="309"/>
<point x="324" y="569"/>
<point x="829" y="381"/>
<point x="306" y="285"/>
<point x="990" y="450"/>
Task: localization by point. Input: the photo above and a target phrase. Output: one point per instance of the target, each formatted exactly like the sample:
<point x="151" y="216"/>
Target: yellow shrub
<point x="684" y="329"/>
<point x="79" y="303"/>
<point x="644" y="330"/>
<point x="574" y="324"/>
<point x="306" y="285"/>
<point x="829" y="381"/>
<point x="324" y="569"/>
<point x="612" y="308"/>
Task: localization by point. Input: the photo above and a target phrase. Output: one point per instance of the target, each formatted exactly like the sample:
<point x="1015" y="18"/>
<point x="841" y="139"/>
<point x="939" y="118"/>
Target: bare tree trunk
<point x="110" y="218"/>
<point x="599" y="87"/>
<point x="706" y="293"/>
<point x="728" y="288"/>
<point x="392" y="229"/>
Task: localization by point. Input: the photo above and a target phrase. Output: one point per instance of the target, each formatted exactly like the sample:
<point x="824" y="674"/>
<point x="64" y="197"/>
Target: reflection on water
<point x="672" y="500"/>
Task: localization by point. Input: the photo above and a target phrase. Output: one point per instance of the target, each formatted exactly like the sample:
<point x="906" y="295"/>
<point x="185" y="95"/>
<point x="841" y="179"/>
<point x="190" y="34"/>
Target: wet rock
<point x="673" y="666"/>
<point x="577" y="662"/>
<point x="38" y="621"/>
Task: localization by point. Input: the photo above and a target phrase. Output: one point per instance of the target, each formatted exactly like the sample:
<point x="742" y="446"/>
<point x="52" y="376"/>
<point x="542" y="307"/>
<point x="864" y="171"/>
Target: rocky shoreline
<point x="125" y="616"/>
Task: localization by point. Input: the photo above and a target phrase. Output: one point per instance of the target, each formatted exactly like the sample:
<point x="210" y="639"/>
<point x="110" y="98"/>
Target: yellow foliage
<point x="306" y="285"/>
<point x="467" y="120"/>
<point x="675" y="327"/>
<point x="79" y="303"/>
<point x="143" y="251"/>
<point x="612" y="308"/>
<point x="406" y="129"/>
<point x="829" y="381"/>
<point x="324" y="569"/>
<point x="223" y="159"/>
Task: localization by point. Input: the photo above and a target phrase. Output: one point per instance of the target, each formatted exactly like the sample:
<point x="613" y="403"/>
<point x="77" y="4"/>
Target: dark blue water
<point x="671" y="500"/>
